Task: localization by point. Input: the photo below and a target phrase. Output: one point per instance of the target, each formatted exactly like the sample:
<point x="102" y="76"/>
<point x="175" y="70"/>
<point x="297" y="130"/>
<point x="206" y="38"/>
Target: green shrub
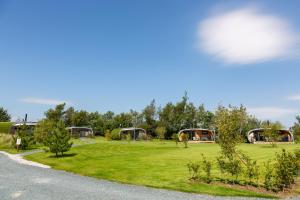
<point x="193" y="168"/>
<point x="115" y="134"/>
<point x="269" y="177"/>
<point x="231" y="165"/>
<point x="160" y="132"/>
<point x="5" y="127"/>
<point x="107" y="135"/>
<point x="206" y="167"/>
<point x="252" y="169"/>
<point x="185" y="139"/>
<point x="175" y="138"/>
<point x="27" y="139"/>
<point x="58" y="139"/>
<point x="286" y="169"/>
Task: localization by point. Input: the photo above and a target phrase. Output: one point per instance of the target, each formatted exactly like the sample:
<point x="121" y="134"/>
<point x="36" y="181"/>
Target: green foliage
<point x="4" y="116"/>
<point x="206" y="167"/>
<point x="230" y="165"/>
<point x="160" y="132"/>
<point x="229" y="123"/>
<point x="115" y="134"/>
<point x="150" y="115"/>
<point x="252" y="169"/>
<point x="56" y="114"/>
<point x="42" y="130"/>
<point x="296" y="129"/>
<point x="271" y="132"/>
<point x="286" y="169"/>
<point x="175" y="138"/>
<point x="107" y="135"/>
<point x="193" y="168"/>
<point x="269" y="181"/>
<point x="58" y="139"/>
<point x="6" y="141"/>
<point x="27" y="139"/>
<point x="184" y="114"/>
<point x="196" y="168"/>
<point x="184" y="138"/>
<point x="5" y="127"/>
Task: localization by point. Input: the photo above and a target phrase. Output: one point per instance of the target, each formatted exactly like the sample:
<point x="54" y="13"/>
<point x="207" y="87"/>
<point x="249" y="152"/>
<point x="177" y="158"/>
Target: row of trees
<point x="173" y="117"/>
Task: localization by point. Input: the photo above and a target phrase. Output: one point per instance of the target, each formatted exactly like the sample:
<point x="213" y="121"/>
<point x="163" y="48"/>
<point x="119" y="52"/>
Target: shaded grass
<point x="155" y="164"/>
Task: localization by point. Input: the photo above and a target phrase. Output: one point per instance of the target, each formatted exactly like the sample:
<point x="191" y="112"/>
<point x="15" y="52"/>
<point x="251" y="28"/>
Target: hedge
<point x="5" y="127"/>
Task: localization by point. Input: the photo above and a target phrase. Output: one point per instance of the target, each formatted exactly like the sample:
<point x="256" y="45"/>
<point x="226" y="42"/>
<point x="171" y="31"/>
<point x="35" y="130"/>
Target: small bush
<point x="252" y="169"/>
<point x="230" y="165"/>
<point x="193" y="170"/>
<point x="160" y="132"/>
<point x="115" y="134"/>
<point x="269" y="177"/>
<point x="206" y="167"/>
<point x="128" y="138"/>
<point x="107" y="135"/>
<point x="285" y="170"/>
<point x="185" y="138"/>
<point x="175" y="138"/>
<point x="27" y="139"/>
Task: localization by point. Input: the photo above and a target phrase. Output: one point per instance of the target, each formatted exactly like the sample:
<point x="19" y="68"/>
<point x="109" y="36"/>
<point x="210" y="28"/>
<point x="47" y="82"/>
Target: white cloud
<point x="271" y="113"/>
<point x="246" y="35"/>
<point x="294" y="97"/>
<point x="41" y="101"/>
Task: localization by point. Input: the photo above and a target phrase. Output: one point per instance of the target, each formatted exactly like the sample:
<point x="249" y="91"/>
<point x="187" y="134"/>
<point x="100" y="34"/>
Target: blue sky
<point x="119" y="55"/>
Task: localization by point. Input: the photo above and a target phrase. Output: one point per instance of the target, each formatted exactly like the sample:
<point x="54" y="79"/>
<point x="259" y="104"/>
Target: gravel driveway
<point x="19" y="181"/>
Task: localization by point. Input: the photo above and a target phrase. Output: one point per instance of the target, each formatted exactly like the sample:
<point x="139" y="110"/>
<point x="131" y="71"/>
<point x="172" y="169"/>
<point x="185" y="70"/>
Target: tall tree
<point x="58" y="139"/>
<point x="296" y="128"/>
<point x="229" y="123"/>
<point x="57" y="113"/>
<point x="204" y="118"/>
<point x="150" y="114"/>
<point x="4" y="116"/>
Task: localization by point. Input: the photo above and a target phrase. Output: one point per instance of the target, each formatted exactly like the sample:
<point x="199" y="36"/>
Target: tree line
<point x="172" y="117"/>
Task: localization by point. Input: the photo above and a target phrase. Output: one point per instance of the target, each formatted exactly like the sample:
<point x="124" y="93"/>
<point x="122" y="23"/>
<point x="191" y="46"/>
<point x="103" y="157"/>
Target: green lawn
<point x="155" y="164"/>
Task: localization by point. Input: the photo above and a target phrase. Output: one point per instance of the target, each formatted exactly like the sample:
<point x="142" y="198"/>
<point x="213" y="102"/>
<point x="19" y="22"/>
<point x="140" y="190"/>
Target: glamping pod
<point x="256" y="135"/>
<point x="136" y="133"/>
<point x="29" y="126"/>
<point x="80" y="131"/>
<point x="198" y="134"/>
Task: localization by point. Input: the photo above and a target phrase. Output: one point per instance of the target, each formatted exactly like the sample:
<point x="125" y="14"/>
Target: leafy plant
<point x="269" y="177"/>
<point x="175" y="138"/>
<point x="107" y="135"/>
<point x="193" y="168"/>
<point x="206" y="167"/>
<point x="160" y="132"/>
<point x="27" y="139"/>
<point x="285" y="170"/>
<point x="58" y="139"/>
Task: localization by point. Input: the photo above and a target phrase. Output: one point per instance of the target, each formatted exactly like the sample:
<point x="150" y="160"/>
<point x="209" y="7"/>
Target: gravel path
<point x="19" y="181"/>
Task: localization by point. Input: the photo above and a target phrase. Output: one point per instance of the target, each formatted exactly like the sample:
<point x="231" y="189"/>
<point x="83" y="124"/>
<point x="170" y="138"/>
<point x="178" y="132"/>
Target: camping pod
<point x="80" y="131"/>
<point x="135" y="133"/>
<point x="197" y="134"/>
<point x="257" y="135"/>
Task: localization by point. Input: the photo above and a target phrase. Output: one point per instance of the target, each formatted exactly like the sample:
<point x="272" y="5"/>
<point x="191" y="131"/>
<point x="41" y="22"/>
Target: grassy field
<point x="5" y="127"/>
<point x="155" y="164"/>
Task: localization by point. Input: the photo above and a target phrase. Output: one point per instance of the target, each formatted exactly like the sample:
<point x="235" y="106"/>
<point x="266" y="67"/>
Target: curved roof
<point x="262" y="129"/>
<point x="132" y="129"/>
<point x="196" y="129"/>
<point x="25" y="123"/>
<point x="78" y="127"/>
